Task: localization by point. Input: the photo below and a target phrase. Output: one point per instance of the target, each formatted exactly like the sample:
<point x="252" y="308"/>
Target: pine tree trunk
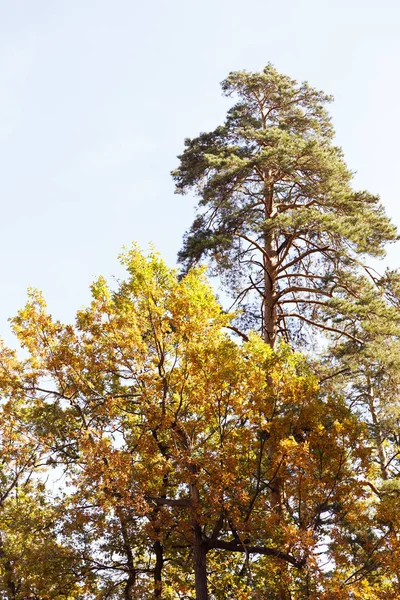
<point x="269" y="316"/>
<point x="200" y="564"/>
<point x="269" y="263"/>
<point x="377" y="433"/>
<point x="270" y="332"/>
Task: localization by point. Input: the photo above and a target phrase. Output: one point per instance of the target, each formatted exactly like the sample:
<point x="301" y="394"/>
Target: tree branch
<point x="233" y="546"/>
<point x="322" y="326"/>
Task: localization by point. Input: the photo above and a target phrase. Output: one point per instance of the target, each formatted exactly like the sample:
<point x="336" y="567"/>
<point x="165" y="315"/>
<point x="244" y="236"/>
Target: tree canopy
<point x="197" y="465"/>
<point x="148" y="452"/>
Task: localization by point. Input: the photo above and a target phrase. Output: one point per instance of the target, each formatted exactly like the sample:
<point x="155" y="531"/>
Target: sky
<point x="97" y="97"/>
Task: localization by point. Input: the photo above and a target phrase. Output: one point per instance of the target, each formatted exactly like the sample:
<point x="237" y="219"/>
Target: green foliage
<point x="278" y="217"/>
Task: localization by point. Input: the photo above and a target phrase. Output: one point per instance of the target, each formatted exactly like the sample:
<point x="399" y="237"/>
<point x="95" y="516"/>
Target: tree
<point x="185" y="448"/>
<point x="36" y="562"/>
<point x="278" y="217"/>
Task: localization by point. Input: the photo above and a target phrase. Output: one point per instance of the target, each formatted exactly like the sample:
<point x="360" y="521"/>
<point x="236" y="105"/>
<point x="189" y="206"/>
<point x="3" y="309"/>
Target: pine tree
<point x="278" y="218"/>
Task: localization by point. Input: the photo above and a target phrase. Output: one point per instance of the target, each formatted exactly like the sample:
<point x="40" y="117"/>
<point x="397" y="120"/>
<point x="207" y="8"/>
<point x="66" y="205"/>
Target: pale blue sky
<point x="96" y="98"/>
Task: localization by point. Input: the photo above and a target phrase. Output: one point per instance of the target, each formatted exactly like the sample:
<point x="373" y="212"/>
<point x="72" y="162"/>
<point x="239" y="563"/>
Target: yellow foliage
<point x="166" y="426"/>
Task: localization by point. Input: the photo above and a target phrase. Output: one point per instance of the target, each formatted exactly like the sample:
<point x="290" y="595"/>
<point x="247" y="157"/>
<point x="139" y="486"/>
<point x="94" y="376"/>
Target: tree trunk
<point x="158" y="550"/>
<point x="277" y="508"/>
<point x="269" y="313"/>
<point x="377" y="432"/>
<point x="130" y="566"/>
<point x="200" y="564"/>
<point x="269" y="263"/>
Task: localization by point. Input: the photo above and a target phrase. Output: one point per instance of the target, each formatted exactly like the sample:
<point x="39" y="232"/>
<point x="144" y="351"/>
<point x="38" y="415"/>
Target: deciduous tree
<point x="200" y="466"/>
